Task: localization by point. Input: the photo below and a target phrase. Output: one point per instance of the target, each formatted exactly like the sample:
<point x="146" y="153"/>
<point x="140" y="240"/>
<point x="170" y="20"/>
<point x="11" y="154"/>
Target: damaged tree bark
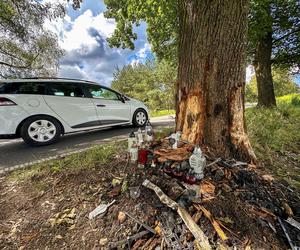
<point x="211" y="76"/>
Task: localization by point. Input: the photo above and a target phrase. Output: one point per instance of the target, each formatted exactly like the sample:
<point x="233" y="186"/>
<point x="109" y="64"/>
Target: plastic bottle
<point x="197" y="162"/>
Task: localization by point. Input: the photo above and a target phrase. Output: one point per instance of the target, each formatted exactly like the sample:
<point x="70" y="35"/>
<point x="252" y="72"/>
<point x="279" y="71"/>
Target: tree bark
<point x="263" y="72"/>
<point x="211" y="76"/>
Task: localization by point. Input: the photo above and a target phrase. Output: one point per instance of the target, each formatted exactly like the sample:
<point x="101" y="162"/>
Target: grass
<point x="275" y="137"/>
<point x="101" y="154"/>
<point x="157" y="113"/>
<point x="276" y="129"/>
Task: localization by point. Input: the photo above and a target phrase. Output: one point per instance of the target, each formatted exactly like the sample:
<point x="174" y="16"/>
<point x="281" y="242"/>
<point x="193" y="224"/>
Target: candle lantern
<point x="190" y="178"/>
<point x="140" y="137"/>
<point x="198" y="162"/>
<point x="148" y="132"/>
<point x="134" y="152"/>
<point x="142" y="157"/>
<point x="174" y="139"/>
<point x="131" y="140"/>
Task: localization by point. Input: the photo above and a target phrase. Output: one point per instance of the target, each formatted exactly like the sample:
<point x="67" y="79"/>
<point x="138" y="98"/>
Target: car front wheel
<point x="140" y="118"/>
<point x="40" y="131"/>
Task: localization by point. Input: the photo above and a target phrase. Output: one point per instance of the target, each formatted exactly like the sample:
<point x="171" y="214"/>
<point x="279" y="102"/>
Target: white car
<point x="41" y="110"/>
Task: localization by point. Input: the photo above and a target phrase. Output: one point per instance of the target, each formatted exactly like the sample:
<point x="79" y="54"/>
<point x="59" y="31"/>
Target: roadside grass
<point x="98" y="155"/>
<point x="275" y="137"/>
<point x="156" y="113"/>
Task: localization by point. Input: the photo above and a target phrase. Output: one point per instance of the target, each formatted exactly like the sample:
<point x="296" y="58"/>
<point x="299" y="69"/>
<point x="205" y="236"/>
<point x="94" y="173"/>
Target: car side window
<point x="30" y="88"/>
<point x="3" y="87"/>
<point x="102" y="93"/>
<point x="65" y="89"/>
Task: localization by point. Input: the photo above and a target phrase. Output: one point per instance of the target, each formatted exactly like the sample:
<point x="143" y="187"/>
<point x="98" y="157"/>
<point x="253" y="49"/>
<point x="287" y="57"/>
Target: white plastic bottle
<point x="198" y="162"/>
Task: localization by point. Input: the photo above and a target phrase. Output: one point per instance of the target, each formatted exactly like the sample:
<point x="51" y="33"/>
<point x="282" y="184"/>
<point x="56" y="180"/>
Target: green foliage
<point x="284" y="84"/>
<point x="152" y="83"/>
<point x="274" y="129"/>
<point x="161" y="19"/>
<point x="289" y="100"/>
<point x="281" y="18"/>
<point x="27" y="48"/>
<point x="251" y="90"/>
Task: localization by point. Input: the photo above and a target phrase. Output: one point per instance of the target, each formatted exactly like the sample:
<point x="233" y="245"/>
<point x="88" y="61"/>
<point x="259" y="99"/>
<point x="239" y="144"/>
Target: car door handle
<point x="101" y="105"/>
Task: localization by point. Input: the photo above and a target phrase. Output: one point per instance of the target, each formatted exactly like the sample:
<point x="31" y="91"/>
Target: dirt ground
<point x="51" y="211"/>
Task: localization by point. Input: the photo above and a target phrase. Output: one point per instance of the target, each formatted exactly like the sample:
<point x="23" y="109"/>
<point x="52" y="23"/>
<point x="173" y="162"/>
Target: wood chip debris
<point x="293" y="222"/>
<point x="178" y="154"/>
<point x="185" y="216"/>
<point x="215" y="224"/>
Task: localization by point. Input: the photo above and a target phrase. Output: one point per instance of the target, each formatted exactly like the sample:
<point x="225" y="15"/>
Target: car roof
<point x="40" y="79"/>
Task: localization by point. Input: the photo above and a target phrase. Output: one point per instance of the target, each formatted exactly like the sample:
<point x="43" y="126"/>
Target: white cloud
<point x="84" y="40"/>
<point x="72" y="72"/>
<point x="74" y="34"/>
<point x="141" y="56"/>
<point x="87" y="54"/>
<point x="143" y="52"/>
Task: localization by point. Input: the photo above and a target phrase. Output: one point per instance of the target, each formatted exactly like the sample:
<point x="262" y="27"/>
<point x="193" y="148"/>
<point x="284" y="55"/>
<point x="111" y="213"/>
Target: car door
<point x="68" y="101"/>
<point x="110" y="108"/>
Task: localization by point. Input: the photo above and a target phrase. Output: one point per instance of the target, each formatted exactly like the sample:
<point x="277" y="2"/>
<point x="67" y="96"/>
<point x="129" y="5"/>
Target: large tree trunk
<point x="211" y="76"/>
<point x="263" y="71"/>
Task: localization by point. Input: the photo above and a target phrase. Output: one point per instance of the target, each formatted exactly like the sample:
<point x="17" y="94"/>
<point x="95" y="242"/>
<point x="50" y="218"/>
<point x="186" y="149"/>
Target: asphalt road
<point x="16" y="152"/>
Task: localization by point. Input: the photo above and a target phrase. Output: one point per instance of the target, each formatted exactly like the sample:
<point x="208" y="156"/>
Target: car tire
<point x="140" y="118"/>
<point x="40" y="131"/>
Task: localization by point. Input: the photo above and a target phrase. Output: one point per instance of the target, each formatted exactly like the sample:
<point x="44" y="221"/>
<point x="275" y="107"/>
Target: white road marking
<point x="5" y="142"/>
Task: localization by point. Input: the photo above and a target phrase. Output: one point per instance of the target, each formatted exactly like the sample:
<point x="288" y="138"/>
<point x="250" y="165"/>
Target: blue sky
<point x="83" y="33"/>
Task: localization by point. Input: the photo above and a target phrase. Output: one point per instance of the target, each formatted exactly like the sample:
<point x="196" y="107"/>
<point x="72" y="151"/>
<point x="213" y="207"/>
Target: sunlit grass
<point x="162" y="112"/>
<point x="275" y="137"/>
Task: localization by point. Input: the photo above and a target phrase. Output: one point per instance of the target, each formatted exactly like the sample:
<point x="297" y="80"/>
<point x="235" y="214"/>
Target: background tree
<point x="284" y="84"/>
<point x="211" y="65"/>
<point x="26" y="48"/>
<point x="152" y="83"/>
<point x="274" y="40"/>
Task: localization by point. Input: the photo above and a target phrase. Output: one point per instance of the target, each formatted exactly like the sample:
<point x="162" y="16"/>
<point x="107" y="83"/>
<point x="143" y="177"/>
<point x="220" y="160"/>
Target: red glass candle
<point x="190" y="179"/>
<point x="143" y="153"/>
